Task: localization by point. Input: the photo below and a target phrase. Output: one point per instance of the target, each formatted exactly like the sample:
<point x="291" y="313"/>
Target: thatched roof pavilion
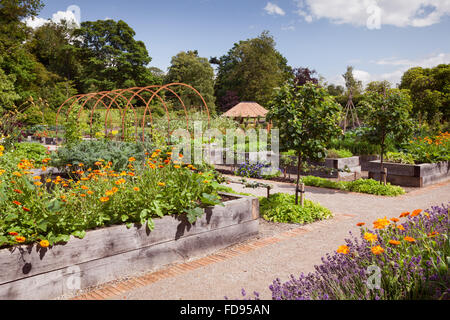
<point x="246" y="110"/>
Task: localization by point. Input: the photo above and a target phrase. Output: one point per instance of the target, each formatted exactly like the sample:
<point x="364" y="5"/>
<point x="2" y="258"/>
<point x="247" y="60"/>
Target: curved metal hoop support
<point x="134" y="92"/>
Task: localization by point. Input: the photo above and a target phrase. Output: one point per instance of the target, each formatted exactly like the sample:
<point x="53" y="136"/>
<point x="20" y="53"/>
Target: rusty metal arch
<point x="165" y="87"/>
<point x="135" y="92"/>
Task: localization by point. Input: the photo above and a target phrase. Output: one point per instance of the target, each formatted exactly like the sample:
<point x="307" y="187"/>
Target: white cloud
<point x="57" y="17"/>
<point x="288" y="28"/>
<point x="401" y="66"/>
<point x="400" y="13"/>
<point x="273" y="9"/>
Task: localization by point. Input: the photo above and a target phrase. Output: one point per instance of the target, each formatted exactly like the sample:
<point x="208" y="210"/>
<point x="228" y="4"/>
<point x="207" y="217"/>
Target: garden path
<point x="257" y="263"/>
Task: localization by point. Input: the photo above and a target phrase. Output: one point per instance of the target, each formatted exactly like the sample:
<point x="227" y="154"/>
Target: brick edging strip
<point x="107" y="291"/>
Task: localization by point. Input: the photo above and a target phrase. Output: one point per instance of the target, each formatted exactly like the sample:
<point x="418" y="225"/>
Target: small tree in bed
<point x="307" y="117"/>
<point x="387" y="114"/>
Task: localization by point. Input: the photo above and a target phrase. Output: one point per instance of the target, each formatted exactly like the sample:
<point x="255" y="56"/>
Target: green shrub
<point x="373" y="187"/>
<point x="88" y="152"/>
<point x="339" y="153"/>
<point x="281" y="207"/>
<point x="369" y="186"/>
<point x="399" y="157"/>
<point x="34" y="152"/>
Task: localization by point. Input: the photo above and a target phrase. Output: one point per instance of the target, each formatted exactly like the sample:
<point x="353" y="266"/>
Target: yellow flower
<point x="120" y="181"/>
<point x="104" y="199"/>
<point x="381" y="223"/>
<point x="109" y="193"/>
<point x="370" y="237"/>
<point x="177" y="167"/>
<point x="38" y="183"/>
<point x="44" y="243"/>
<point x="132" y="159"/>
<point x="136" y="189"/>
<point x="161" y="184"/>
<point x="377" y="250"/>
<point x="343" y="249"/>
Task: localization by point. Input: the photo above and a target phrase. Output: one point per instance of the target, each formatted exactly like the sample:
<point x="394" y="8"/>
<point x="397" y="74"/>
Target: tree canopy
<point x="111" y="57"/>
<point x="188" y="67"/>
<point x="252" y="69"/>
<point x="430" y="91"/>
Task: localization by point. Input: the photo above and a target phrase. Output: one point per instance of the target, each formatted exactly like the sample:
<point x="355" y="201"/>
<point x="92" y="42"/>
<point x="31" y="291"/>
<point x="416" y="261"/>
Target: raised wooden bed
<point x="31" y="272"/>
<point x="411" y="175"/>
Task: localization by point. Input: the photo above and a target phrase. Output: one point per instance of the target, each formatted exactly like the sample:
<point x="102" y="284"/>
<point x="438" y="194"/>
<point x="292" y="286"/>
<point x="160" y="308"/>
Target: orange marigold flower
<point x="114" y="189"/>
<point x="26" y="209"/>
<point x="120" y="181"/>
<point x="161" y="166"/>
<point x="360" y="224"/>
<point x="416" y="212"/>
<point x="404" y="214"/>
<point x="395" y="219"/>
<point x="401" y="227"/>
<point x="109" y="193"/>
<point x="18" y="191"/>
<point x="433" y="234"/>
<point x="177" y="167"/>
<point x="104" y="199"/>
<point x="82" y="195"/>
<point x="90" y="193"/>
<point x="38" y="183"/>
<point x="132" y="159"/>
<point x="381" y="223"/>
<point x="13" y="233"/>
<point x="17" y="203"/>
<point x="36" y="178"/>
<point x="44" y="243"/>
<point x="394" y="242"/>
<point x="206" y="181"/>
<point x="409" y="239"/>
<point x="343" y="249"/>
<point x="136" y="189"/>
<point x="377" y="250"/>
<point x="370" y="237"/>
<point x="161" y="184"/>
<point x="166" y="161"/>
<point x="20" y="239"/>
<point x="84" y="188"/>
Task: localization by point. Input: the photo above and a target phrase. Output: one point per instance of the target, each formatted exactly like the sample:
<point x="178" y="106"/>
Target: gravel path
<point x="256" y="269"/>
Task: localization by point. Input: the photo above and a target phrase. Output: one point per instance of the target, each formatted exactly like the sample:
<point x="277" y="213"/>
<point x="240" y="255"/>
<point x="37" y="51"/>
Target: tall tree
<point x="252" y="69"/>
<point x="188" y="67"/>
<point x="307" y="117"/>
<point x="378" y="86"/>
<point x="352" y="84"/>
<point x="430" y="91"/>
<point x="112" y="58"/>
<point x="304" y="75"/>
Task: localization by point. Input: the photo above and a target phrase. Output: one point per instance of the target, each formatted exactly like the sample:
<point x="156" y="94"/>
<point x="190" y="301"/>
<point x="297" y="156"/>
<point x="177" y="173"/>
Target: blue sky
<point x="379" y="38"/>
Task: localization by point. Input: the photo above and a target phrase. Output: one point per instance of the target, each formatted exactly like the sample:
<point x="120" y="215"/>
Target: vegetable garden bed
<point x="419" y="175"/>
<point x="33" y="272"/>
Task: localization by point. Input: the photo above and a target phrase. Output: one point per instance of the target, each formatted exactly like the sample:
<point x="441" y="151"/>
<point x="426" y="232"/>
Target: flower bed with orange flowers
<point x="48" y="210"/>
<point x="430" y="149"/>
<point x="403" y="257"/>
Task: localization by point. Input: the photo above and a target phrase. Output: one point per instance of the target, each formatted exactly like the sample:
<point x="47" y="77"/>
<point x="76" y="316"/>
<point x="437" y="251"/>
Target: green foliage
<point x="252" y="69"/>
<point x="307" y="118"/>
<point x="399" y="157"/>
<point x="430" y="92"/>
<point x="188" y="67"/>
<point x="70" y="208"/>
<point x="388" y="115"/>
<point x="353" y="85"/>
<point x="373" y="187"/>
<point x="361" y="185"/>
<point x="281" y="207"/>
<point x="72" y="129"/>
<point x="90" y="151"/>
<point x="33" y="152"/>
<point x="339" y="153"/>
<point x="430" y="150"/>
<point x="111" y="57"/>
